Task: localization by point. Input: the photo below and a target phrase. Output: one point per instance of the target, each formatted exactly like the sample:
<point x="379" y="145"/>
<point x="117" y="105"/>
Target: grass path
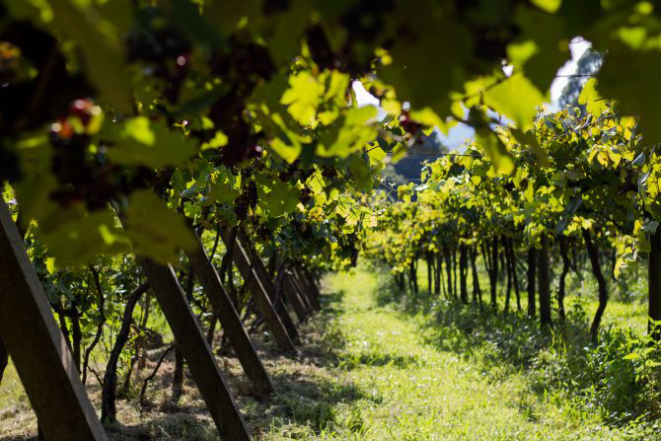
<point x="410" y="390"/>
<point x="369" y="370"/>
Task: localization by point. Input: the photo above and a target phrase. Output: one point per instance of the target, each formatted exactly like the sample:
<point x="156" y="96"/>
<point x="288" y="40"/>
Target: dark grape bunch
<point x="240" y="70"/>
<point x="306" y="196"/>
<point x="245" y="201"/>
<point x="39" y="99"/>
<point x="411" y="127"/>
<point x="363" y="23"/>
<point x="80" y="175"/>
<point x="291" y="172"/>
<point x="302" y="229"/>
<point x="264" y="232"/>
<point x="9" y="164"/>
<point x="349" y="248"/>
<point x="164" y="50"/>
<point x="86" y="177"/>
<point x="329" y="173"/>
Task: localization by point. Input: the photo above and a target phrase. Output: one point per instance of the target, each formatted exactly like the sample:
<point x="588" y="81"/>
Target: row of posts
<point x="48" y="373"/>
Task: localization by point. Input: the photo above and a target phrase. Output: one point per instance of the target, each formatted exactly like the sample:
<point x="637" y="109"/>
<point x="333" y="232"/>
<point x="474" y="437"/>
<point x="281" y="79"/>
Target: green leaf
<point x="284" y="42"/>
<point x="398" y="153"/>
<point x="528" y="139"/>
<point x="354" y="133"/>
<point x="224" y="187"/>
<point x="360" y="172"/>
<point x="551" y="6"/>
<point x="50" y="265"/>
<point x="276" y="197"/>
<point x="219" y="140"/>
<point x="228" y="15"/>
<point x="590" y="98"/>
<point x="303" y="96"/>
<point x="529" y="194"/>
<point x="569" y="213"/>
<point x="286" y="143"/>
<point x="539" y="50"/>
<point x="155" y="230"/>
<point x="101" y="47"/>
<point x="517" y="98"/>
<point x="427" y="117"/>
<point x="186" y="15"/>
<point x="638" y="96"/>
<point x="75" y="237"/>
<point x="416" y="72"/>
<point x="376" y="154"/>
<point x="141" y="142"/>
<point x="650" y="227"/>
<point x="489" y="142"/>
<point x="337" y="88"/>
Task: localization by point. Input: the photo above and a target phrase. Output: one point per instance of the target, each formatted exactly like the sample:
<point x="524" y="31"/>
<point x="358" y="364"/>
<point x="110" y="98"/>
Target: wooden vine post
<point x="229" y="319"/>
<point x="295" y="299"/>
<point x="313" y="284"/>
<point x="306" y="287"/>
<point x="257" y="264"/>
<point x="196" y="351"/>
<point x="262" y="299"/>
<point x="295" y="285"/>
<point x="37" y="346"/>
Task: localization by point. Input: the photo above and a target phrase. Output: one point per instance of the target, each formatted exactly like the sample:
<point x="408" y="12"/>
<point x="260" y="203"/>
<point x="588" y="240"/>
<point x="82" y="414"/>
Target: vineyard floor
<point x="371" y="368"/>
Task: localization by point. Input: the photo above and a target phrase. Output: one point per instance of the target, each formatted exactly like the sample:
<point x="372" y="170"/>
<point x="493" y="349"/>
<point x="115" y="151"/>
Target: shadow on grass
<point x="560" y="360"/>
<point x="306" y="399"/>
<point x="306" y="394"/>
<point x="377" y="359"/>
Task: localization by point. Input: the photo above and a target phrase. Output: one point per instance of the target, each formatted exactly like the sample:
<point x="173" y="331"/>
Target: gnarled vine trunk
<point x="544" y="280"/>
<point x="532" y="273"/>
<point x="508" y="269"/>
<point x="109" y="389"/>
<point x="493" y="273"/>
<point x="593" y="254"/>
<point x="430" y="270"/>
<point x="463" y="273"/>
<point x="477" y="292"/>
<point x="438" y="273"/>
<point x="515" y="277"/>
<point x="563" y="276"/>
<point x="448" y="270"/>
<point x="654" y="285"/>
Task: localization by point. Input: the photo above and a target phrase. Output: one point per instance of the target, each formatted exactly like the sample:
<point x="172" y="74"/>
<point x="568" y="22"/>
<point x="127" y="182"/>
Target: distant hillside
<point x="409" y="168"/>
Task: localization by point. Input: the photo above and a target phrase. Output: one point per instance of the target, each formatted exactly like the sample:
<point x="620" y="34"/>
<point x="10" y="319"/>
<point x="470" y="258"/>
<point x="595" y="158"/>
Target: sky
<point x="460" y="133"/>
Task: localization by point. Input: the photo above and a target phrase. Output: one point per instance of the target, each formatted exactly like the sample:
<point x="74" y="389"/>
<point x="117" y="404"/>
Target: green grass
<point x="12" y="394"/>
<point x="415" y="391"/>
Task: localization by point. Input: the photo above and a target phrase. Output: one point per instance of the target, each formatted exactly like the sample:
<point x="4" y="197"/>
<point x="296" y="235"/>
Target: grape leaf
<point x="155" y="230"/>
<point x="276" y="197"/>
<point x="638" y="95"/>
<point x="303" y="97"/>
<point x="352" y="135"/>
<point x="542" y="33"/>
<point x="141" y="142"/>
<point x="74" y="236"/>
<point x="517" y="98"/>
<point x="418" y="71"/>
<point x="590" y="98"/>
<point x="101" y="48"/>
